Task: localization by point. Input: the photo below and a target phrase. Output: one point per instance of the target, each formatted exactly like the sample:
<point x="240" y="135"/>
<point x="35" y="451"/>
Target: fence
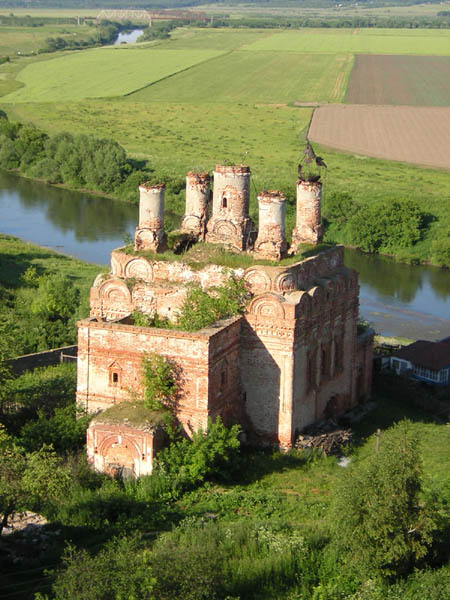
<point x="47" y="358"/>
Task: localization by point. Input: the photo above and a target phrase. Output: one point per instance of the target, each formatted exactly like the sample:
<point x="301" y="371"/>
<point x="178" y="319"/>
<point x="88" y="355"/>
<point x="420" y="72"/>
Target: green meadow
<point x="101" y="72"/>
<point x="176" y="138"/>
<point x="268" y="77"/>
<point x="24" y="40"/>
<point x="366" y="41"/>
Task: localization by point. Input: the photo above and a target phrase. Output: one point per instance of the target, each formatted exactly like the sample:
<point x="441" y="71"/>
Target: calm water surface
<point x="128" y="37"/>
<point x="397" y="299"/>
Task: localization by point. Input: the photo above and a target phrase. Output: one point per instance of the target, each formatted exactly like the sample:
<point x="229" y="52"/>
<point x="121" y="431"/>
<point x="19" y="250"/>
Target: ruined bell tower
<point x="149" y="233"/>
<point x="230" y="223"/>
<point x="308" y="228"/>
<point x="270" y="243"/>
<point x="197" y="198"/>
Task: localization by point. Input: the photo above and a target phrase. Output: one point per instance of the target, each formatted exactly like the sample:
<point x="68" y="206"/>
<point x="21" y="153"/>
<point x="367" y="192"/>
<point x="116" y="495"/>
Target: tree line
<point x="79" y="161"/>
<point x="327" y="22"/>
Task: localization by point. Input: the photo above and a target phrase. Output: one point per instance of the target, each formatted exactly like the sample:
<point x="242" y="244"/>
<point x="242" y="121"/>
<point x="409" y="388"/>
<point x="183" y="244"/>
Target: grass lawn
<point x="367" y="41"/>
<point x="101" y="72"/>
<point x="270" y="77"/>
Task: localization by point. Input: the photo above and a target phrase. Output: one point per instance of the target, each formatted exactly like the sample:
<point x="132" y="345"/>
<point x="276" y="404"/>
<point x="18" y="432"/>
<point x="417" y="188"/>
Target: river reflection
<point x="397" y="299"/>
<point x="79" y="224"/>
<point x="128" y="37"/>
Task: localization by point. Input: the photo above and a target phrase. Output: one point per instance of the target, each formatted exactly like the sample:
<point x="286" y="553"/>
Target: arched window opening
<point x="224" y="202"/>
<point x="115" y="375"/>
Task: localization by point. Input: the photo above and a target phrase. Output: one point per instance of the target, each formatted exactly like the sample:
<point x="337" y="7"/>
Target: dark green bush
<point x="211" y="454"/>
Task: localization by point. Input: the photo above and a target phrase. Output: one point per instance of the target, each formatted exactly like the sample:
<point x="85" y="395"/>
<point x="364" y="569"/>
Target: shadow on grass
<point x="397" y="399"/>
<point x="258" y="463"/>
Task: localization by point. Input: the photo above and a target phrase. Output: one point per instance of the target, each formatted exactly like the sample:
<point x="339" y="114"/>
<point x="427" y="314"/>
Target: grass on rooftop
<point x="202" y="254"/>
<point x="132" y="413"/>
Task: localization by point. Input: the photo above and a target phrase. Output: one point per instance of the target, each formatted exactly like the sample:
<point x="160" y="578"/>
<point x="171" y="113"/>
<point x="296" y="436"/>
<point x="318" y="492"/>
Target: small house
<point x="424" y="360"/>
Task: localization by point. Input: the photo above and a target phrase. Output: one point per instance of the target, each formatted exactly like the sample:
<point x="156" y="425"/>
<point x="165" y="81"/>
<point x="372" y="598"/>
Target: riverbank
<point x="175" y="203"/>
<point x="42" y="294"/>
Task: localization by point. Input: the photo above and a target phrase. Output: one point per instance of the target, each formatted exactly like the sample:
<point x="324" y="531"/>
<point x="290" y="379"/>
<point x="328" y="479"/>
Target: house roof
<point x="431" y="355"/>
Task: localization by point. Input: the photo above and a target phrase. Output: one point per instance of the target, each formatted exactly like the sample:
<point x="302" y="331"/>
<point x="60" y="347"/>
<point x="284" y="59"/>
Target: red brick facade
<point x="294" y="357"/>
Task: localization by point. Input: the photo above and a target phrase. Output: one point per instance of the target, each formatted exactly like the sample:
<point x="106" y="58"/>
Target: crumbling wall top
<point x="193" y="178"/>
<point x="152" y="186"/>
<point x="269" y="196"/>
<point x="232" y="169"/>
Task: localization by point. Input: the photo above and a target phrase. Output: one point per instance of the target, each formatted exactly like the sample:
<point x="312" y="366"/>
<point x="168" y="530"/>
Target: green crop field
<point x="269" y="77"/>
<point x="367" y="41"/>
<point x="214" y="39"/>
<point x="101" y="72"/>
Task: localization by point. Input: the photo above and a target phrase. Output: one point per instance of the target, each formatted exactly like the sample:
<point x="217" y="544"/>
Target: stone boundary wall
<point x="46" y="358"/>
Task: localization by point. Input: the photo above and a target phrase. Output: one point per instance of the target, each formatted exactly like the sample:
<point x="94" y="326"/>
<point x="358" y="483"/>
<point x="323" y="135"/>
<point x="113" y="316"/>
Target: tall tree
<point x="381" y="526"/>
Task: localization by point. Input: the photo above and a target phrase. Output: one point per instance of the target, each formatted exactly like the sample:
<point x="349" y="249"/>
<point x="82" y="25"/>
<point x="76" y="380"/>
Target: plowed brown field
<point x="395" y="79"/>
<point x="406" y="133"/>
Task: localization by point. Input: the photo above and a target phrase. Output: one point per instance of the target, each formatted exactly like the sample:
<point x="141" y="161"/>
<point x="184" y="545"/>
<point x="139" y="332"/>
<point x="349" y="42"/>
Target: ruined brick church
<point x="292" y="358"/>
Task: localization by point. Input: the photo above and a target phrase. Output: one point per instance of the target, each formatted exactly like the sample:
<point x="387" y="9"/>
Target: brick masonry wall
<point x="130" y="450"/>
<point x="110" y="358"/>
<point x="298" y="356"/>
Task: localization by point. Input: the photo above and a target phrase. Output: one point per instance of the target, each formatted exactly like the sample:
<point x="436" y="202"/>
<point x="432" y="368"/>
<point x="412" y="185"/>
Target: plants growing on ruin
<point x="154" y="320"/>
<point x="202" y="308"/>
<point x="161" y="383"/>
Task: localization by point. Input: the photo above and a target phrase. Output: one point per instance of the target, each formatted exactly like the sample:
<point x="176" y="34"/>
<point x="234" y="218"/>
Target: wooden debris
<point x="323" y="437"/>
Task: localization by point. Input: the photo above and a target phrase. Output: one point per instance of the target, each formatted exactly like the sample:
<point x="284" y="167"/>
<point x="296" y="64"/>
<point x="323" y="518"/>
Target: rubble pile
<point x="324" y="436"/>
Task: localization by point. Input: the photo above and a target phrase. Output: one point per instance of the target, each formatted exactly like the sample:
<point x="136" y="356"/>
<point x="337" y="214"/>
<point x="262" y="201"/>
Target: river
<point x="128" y="37"/>
<point x="397" y="299"/>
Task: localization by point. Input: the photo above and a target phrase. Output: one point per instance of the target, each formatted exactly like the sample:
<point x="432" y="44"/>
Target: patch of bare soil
<point x="418" y="135"/>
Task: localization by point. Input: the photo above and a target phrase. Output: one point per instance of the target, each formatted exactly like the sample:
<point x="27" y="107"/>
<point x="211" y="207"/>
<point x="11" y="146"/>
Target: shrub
<point x="188" y="567"/>
<point x="440" y="252"/>
<point x="121" y="570"/>
<point x="386" y="225"/>
<point x="201" y="308"/>
<point x="44" y="389"/>
<point x="379" y="524"/>
<point x="210" y="454"/>
<point x="63" y="430"/>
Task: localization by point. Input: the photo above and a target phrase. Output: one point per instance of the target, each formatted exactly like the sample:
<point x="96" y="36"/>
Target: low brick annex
<point x="294" y="357"/>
